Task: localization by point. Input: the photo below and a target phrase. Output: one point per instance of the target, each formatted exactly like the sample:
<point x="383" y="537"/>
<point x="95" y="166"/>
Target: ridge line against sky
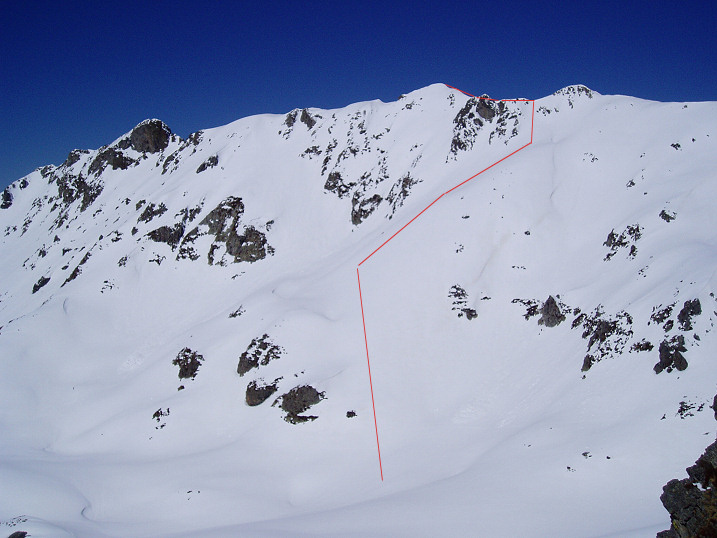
<point x="78" y="75"/>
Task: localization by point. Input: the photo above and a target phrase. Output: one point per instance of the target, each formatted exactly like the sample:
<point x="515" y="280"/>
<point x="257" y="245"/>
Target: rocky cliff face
<point x="692" y="502"/>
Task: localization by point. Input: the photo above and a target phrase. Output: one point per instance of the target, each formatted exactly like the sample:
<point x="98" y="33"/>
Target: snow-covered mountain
<point x="182" y="334"/>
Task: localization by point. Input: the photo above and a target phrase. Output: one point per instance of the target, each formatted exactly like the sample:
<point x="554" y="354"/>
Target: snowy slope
<point x="242" y="243"/>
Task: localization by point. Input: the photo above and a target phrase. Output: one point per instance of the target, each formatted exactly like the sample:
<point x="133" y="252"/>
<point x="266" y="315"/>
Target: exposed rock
<point x="74" y="156"/>
<point x="362" y="208"/>
<point x="468" y="123"/>
<point x="109" y="157"/>
<point x="18" y="534"/>
<point x="689" y="310"/>
<point x="692" y="502"/>
<point x="40" y="283"/>
<point x="350" y="414"/>
<point x="251" y="246"/>
<point x="261" y="351"/>
<point x="72" y="188"/>
<point x="626" y="238"/>
<point x="667" y="216"/>
<point x="400" y="191"/>
<point x="307" y="119"/>
<point x="223" y="222"/>
<point x="6" y="198"/>
<point x="503" y="117"/>
<point x="460" y="302"/>
<point x="336" y="184"/>
<point x="159" y="416"/>
<point x="311" y="151"/>
<point x="642" y="345"/>
<point x="551" y="315"/>
<point x="152" y="211"/>
<point x="659" y="314"/>
<point x="159" y="413"/>
<point x="298" y="400"/>
<point x="190" y="213"/>
<point x="671" y="355"/>
<point x="257" y="394"/>
<point x="238" y="312"/>
<point x="78" y="270"/>
<point x="188" y="362"/>
<point x="290" y="119"/>
<point x="575" y="90"/>
<point x="609" y="336"/>
<point x="150" y="136"/>
<point x="211" y="162"/>
<point x="171" y="235"/>
<point x="224" y="218"/>
<point x="531" y="307"/>
<point x="688" y="409"/>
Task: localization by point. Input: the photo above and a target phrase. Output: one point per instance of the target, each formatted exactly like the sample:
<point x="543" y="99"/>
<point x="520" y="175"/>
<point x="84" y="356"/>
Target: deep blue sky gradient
<point x="80" y="74"/>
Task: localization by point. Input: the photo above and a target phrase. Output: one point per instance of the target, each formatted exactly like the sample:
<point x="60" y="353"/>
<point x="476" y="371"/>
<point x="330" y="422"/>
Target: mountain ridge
<point x="204" y="292"/>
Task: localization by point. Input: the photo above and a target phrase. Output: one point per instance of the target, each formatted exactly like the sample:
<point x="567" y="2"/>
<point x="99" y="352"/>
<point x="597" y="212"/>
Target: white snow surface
<point x="487" y="426"/>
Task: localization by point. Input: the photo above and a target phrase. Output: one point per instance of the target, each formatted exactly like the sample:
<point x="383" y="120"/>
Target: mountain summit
<point x="183" y="345"/>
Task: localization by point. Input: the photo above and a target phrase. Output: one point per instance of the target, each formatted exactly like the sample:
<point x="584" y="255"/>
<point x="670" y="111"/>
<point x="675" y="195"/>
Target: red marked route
<point x="358" y="276"/>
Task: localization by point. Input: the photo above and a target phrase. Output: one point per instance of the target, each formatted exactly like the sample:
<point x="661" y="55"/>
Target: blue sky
<point x="79" y="74"/>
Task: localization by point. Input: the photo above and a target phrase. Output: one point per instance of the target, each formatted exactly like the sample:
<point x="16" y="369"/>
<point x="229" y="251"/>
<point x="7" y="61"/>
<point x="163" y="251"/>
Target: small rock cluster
<point x="460" y="302"/>
<point x="627" y="238"/>
<point x="262" y="351"/>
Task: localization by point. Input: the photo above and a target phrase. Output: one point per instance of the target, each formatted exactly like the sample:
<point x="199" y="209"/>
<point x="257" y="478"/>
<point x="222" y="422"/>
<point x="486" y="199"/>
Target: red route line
<point x="358" y="276"/>
<point x="369" y="374"/>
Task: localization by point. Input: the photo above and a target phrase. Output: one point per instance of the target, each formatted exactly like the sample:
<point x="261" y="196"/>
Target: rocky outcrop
<point x="689" y="310"/>
<point x="150" y="136"/>
<point x="551" y="316"/>
<point x="671" y="355"/>
<point x="78" y="270"/>
<point x="75" y="187"/>
<point x="40" y="283"/>
<point x="111" y="157"/>
<point x="159" y="416"/>
<point x="468" y="123"/>
<point x="211" y="162"/>
<point x="668" y="216"/>
<point x="74" y="156"/>
<point x="400" y="191"/>
<point x="692" y="501"/>
<point x="152" y="211"/>
<point x="261" y="351"/>
<point x="298" y="400"/>
<point x="363" y="207"/>
<point x="6" y="199"/>
<point x="531" y="307"/>
<point x="336" y="184"/>
<point x="188" y="362"/>
<point x="307" y="119"/>
<point x="627" y="238"/>
<point x="460" y="302"/>
<point x="607" y="336"/>
<point x="257" y="393"/>
<point x="170" y="235"/>
<point x="241" y="244"/>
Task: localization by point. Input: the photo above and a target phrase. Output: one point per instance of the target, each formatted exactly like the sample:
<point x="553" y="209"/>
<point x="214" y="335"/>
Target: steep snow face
<point x="183" y="345"/>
